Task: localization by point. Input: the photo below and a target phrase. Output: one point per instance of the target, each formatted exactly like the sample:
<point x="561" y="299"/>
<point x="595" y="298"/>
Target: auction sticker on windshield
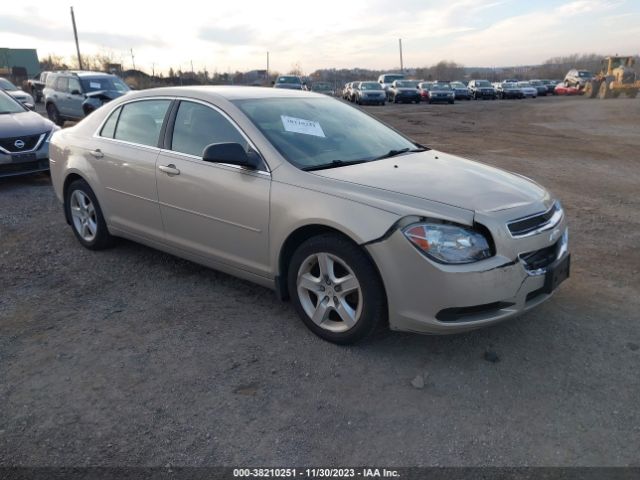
<point x="300" y="125"/>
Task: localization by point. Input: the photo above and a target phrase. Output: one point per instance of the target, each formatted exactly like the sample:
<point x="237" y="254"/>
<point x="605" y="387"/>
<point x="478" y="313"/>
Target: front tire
<point x="85" y="215"/>
<point x="336" y="289"/>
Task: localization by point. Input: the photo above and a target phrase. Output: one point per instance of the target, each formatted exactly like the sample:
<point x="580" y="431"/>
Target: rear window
<point x="291" y="80"/>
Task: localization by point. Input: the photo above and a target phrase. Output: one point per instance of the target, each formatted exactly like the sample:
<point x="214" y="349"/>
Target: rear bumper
<point x="426" y="297"/>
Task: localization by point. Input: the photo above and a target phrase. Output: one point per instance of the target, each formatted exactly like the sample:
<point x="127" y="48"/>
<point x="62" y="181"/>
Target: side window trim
<point x="166" y="131"/>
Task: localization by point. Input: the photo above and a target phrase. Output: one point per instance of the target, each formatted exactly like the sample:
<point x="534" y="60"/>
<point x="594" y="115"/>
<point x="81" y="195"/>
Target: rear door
<point x="124" y="157"/>
<point x="59" y="96"/>
<point x="217" y="211"/>
<point x="74" y="98"/>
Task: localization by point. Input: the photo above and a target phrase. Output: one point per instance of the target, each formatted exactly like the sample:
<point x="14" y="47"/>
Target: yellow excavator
<point x="617" y="76"/>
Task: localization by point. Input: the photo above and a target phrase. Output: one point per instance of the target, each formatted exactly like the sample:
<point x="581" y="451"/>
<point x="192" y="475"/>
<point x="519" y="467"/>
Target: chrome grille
<point x="29" y="142"/>
<point x="536" y="223"/>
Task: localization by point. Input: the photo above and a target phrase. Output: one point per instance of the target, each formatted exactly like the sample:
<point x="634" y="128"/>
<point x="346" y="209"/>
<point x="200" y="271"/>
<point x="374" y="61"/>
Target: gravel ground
<point x="134" y="357"/>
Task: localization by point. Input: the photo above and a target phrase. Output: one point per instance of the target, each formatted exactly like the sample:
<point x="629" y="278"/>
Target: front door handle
<point x="97" y="153"/>
<point x="169" y="169"/>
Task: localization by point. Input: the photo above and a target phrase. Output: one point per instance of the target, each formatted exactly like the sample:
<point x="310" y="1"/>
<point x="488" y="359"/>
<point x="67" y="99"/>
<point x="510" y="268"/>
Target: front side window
<point x="140" y="122"/>
<point x="74" y="85"/>
<point x="197" y="126"/>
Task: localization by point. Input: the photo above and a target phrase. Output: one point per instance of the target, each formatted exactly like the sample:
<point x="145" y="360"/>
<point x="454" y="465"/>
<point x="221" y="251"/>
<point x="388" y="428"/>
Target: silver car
<point x="358" y="225"/>
<point x="21" y="96"/>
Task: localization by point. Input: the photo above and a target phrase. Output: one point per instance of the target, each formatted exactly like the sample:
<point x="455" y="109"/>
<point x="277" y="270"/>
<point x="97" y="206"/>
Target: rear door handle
<point x="97" y="153"/>
<point x="169" y="169"/>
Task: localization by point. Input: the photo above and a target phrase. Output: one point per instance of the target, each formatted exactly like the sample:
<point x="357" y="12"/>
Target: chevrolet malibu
<point x="354" y="222"/>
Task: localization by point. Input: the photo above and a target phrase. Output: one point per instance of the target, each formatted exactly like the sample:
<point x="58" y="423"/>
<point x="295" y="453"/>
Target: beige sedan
<point x="358" y="225"/>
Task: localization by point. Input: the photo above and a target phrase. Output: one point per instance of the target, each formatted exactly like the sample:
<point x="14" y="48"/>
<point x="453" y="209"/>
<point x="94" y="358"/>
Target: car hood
<point x="105" y="94"/>
<point x="406" y="90"/>
<point x="23" y="123"/>
<point x="445" y="179"/>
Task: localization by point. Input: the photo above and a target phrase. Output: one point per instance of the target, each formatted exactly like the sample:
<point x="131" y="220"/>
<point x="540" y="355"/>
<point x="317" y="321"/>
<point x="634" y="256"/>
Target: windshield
<point x="95" y="84"/>
<point x="313" y="132"/>
<point x="524" y="84"/>
<point x="406" y="84"/>
<point x="457" y="85"/>
<point x="321" y="87"/>
<point x="9" y="105"/>
<point x="483" y="83"/>
<point x="294" y="80"/>
<point x="370" y="86"/>
<point x="441" y="86"/>
<point x="392" y="78"/>
<point x="584" y="74"/>
<point x="7" y="85"/>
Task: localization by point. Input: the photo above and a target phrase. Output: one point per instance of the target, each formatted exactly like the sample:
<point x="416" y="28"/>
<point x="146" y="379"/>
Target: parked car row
<point x="394" y="88"/>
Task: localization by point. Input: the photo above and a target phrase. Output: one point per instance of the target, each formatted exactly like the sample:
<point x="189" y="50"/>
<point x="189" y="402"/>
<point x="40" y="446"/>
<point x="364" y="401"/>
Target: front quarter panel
<point x="293" y="207"/>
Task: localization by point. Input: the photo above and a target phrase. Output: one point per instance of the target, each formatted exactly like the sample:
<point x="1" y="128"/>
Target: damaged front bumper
<point x="427" y="297"/>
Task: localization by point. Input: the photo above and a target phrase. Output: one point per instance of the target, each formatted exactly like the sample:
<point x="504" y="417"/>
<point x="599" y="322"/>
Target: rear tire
<point x="336" y="289"/>
<point x="87" y="221"/>
<point x="54" y="115"/>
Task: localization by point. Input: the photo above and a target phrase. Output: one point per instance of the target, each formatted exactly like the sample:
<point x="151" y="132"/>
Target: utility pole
<point x="401" y="64"/>
<point x="133" y="59"/>
<point x="192" y="66"/>
<point x="153" y="69"/>
<point x="267" y="66"/>
<point x="75" y="34"/>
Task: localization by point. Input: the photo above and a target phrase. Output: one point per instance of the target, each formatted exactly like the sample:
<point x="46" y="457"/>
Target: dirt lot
<point x="130" y="356"/>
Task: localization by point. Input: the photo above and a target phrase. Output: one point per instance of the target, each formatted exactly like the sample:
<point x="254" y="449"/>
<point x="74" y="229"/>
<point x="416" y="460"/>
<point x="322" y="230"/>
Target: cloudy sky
<point x="235" y="35"/>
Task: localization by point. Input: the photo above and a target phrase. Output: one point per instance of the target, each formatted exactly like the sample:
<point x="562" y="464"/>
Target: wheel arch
<point x="296" y="238"/>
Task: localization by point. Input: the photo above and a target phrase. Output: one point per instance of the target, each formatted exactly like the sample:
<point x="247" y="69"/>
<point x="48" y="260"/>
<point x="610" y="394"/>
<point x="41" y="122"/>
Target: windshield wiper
<point x="395" y="153"/>
<point x="332" y="164"/>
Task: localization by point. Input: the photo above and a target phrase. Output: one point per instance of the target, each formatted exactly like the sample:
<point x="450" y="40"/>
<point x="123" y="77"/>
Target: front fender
<point x="293" y="207"/>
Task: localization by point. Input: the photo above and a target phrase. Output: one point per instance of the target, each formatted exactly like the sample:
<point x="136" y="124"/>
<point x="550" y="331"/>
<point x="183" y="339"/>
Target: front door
<point x="217" y="211"/>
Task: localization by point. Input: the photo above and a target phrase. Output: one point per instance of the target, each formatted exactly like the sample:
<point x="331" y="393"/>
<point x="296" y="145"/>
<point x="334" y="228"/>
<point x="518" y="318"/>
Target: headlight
<point x="447" y="243"/>
<point x="53" y="130"/>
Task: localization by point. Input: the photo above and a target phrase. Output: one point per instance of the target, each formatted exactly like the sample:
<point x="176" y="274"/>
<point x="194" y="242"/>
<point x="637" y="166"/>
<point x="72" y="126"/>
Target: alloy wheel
<point x="329" y="292"/>
<point x="83" y="214"/>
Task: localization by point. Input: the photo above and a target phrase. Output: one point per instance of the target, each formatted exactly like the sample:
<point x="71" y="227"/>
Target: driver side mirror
<point x="231" y="153"/>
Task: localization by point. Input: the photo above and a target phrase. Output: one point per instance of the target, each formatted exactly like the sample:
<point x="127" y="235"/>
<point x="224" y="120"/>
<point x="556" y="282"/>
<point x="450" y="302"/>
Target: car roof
<point x="227" y="92"/>
<point x="82" y="73"/>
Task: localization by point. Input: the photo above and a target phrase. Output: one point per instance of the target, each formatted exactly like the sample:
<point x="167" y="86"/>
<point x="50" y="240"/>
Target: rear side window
<point x="198" y="126"/>
<point x="109" y="127"/>
<point x="62" y="84"/>
<point x="141" y="122"/>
